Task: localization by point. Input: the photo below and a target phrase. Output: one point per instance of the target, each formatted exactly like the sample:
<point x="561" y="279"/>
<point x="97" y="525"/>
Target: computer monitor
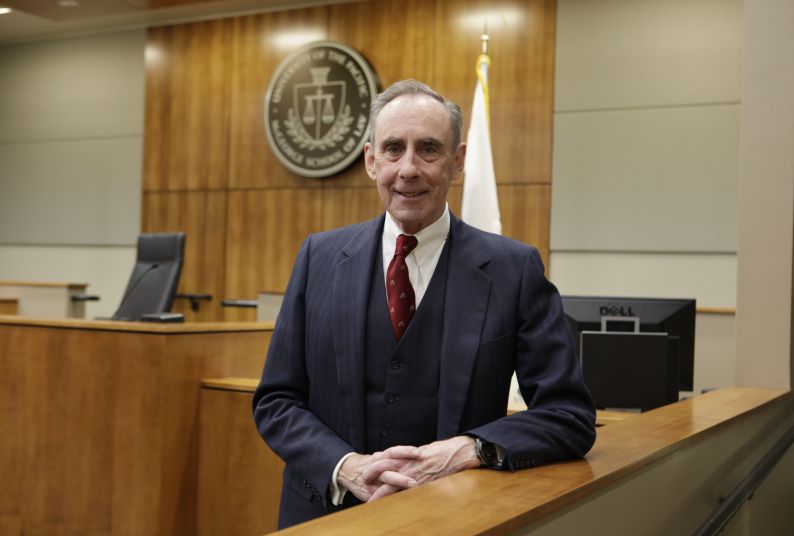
<point x="676" y="317"/>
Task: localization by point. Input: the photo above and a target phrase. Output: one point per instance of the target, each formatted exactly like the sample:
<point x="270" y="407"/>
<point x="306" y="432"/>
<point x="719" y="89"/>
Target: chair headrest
<point x="161" y="247"/>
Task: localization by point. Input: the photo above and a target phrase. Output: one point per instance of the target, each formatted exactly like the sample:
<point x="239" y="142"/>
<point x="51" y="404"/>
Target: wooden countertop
<point x="47" y="284"/>
<point x="455" y="504"/>
<point x="138" y="327"/>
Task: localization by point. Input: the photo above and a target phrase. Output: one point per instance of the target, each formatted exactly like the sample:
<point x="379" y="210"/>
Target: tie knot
<point x="405" y="245"/>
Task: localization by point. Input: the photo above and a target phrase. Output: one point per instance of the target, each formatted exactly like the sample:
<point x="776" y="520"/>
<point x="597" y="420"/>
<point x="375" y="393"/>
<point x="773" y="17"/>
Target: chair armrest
<point x="195" y="299"/>
<point x="251" y="304"/>
<point x="83" y="297"/>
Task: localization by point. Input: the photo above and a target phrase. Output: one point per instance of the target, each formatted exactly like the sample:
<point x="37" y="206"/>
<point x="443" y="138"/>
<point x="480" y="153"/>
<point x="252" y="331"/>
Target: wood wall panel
<point x="186" y="130"/>
<point x="525" y="214"/>
<point x="265" y="231"/>
<point x="520" y="78"/>
<point x="270" y="210"/>
<point x="345" y="206"/>
<point x="256" y="55"/>
<point x="202" y="216"/>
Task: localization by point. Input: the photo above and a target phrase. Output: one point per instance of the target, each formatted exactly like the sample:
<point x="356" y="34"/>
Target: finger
<point x="372" y="472"/>
<point x="397" y="480"/>
<point x="401" y="451"/>
<point x="382" y="491"/>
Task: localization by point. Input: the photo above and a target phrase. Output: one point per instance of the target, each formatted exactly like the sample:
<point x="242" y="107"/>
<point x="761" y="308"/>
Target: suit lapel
<point x="351" y="284"/>
<point x="466" y="303"/>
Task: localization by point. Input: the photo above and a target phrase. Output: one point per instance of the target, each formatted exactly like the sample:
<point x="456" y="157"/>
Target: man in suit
<point x="377" y="382"/>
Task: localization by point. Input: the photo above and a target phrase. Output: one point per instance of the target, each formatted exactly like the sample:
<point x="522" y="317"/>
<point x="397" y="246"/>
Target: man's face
<point x="413" y="161"/>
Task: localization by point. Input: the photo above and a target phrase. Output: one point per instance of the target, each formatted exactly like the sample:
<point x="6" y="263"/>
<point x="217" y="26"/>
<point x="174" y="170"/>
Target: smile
<point x="410" y="194"/>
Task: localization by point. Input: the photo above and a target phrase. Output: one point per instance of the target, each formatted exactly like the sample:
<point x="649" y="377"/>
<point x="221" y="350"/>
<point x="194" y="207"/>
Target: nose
<point x="408" y="165"/>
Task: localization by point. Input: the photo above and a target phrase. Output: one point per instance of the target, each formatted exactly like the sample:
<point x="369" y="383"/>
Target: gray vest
<point x="402" y="378"/>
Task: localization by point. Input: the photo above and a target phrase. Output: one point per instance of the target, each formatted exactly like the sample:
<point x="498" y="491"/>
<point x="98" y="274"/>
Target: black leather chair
<point x="154" y="278"/>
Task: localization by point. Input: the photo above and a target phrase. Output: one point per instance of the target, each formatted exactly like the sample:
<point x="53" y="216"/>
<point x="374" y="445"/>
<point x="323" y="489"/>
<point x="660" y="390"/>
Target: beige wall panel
<point x="646" y="180"/>
<point x="265" y="231"/>
<point x="711" y="279"/>
<point x="83" y="87"/>
<point x="765" y="290"/>
<point x="76" y="191"/>
<point x="259" y="44"/>
<point x="105" y="269"/>
<point x="623" y="53"/>
<point x="187" y="106"/>
<point x="396" y="39"/>
<point x="202" y="216"/>
<point x="520" y="78"/>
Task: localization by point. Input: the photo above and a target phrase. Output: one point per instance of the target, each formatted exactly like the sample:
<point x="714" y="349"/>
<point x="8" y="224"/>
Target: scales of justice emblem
<point x="319" y="117"/>
<point x="317" y="108"/>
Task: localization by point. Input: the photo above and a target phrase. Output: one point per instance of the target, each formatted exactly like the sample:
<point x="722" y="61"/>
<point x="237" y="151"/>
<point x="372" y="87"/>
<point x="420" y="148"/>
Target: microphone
<point x="131" y="289"/>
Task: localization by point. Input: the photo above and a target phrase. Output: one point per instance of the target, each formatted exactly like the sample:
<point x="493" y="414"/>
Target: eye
<point x="429" y="151"/>
<point x="393" y="149"/>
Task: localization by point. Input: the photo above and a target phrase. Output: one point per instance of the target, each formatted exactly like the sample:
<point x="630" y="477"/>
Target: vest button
<point x="395" y="364"/>
<point x="384" y="432"/>
<point x="391" y="399"/>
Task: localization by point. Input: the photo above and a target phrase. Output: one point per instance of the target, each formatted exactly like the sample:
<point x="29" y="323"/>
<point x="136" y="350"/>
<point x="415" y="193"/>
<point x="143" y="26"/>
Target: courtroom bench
<point x="100" y="421"/>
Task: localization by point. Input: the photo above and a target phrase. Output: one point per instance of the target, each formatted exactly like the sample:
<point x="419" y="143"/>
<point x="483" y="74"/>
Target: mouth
<point x="410" y="195"/>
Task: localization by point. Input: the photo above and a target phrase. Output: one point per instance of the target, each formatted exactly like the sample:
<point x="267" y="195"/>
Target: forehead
<point x="413" y="117"/>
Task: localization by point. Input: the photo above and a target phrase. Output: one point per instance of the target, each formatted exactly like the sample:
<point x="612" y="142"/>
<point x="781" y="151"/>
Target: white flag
<point x="480" y="204"/>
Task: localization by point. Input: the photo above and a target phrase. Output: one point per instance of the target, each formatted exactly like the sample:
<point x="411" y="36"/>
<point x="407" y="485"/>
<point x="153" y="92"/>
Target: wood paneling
<point x="259" y="45"/>
<point x="101" y="423"/>
<point x="520" y="78"/>
<point x="198" y="72"/>
<point x="265" y="230"/>
<point x="186" y="130"/>
<point x="202" y="216"/>
<point x="345" y="206"/>
<point x="239" y="476"/>
<point x="525" y="214"/>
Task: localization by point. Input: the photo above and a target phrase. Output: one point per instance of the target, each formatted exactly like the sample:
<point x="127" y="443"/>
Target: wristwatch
<point x="486" y="452"/>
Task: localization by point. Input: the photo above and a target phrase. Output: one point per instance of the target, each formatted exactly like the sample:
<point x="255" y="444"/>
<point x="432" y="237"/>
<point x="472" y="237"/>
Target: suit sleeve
<point x="281" y="401"/>
<point x="559" y="422"/>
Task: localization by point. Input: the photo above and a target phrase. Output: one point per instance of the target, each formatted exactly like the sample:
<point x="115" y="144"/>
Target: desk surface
<point x="621" y="449"/>
<point x="46" y="284"/>
<point x="137" y="327"/>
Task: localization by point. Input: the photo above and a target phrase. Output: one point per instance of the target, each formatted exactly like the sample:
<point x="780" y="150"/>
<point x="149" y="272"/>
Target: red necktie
<point x="399" y="291"/>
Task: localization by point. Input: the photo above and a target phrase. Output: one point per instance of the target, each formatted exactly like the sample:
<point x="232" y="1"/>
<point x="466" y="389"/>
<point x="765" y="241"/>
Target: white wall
<point x="71" y="131"/>
<point x="646" y="126"/>
<point x="764" y="321"/>
<point x="645" y="164"/>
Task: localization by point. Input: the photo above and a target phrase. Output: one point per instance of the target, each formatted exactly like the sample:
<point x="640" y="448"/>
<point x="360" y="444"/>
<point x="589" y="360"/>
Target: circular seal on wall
<point x="317" y="108"/>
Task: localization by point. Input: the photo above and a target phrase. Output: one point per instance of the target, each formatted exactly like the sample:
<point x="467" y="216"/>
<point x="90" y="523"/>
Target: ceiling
<point x="33" y="20"/>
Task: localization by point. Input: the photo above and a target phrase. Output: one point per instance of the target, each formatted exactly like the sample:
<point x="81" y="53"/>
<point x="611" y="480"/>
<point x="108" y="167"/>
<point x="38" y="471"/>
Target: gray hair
<point x="414" y="87"/>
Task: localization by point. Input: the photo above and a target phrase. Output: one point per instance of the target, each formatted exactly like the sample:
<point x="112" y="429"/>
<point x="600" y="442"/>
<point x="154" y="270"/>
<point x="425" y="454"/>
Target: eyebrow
<point x="423" y="141"/>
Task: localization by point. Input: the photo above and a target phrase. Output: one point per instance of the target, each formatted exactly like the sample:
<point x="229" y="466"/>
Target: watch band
<point x="486" y="452"/>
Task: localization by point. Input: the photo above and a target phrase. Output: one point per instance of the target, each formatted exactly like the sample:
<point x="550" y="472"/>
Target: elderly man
<point x="391" y="360"/>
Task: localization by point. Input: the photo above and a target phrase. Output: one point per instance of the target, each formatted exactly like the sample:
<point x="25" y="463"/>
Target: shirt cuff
<point x="336" y="491"/>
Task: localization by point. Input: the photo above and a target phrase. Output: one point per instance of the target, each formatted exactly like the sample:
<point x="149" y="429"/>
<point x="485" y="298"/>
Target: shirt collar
<point x="430" y="238"/>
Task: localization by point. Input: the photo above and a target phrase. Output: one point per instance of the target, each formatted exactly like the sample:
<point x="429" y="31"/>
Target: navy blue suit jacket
<point x="501" y="315"/>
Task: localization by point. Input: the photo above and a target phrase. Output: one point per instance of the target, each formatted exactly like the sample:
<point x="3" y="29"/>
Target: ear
<point x="459" y="160"/>
<point x="369" y="160"/>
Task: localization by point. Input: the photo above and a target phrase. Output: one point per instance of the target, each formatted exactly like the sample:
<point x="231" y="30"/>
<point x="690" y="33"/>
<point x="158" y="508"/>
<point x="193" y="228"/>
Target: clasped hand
<point x="372" y="476"/>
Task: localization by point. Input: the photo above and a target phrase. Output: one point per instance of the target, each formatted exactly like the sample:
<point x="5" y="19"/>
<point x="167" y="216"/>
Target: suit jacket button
<point x="395" y="364"/>
<point x="384" y="432"/>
